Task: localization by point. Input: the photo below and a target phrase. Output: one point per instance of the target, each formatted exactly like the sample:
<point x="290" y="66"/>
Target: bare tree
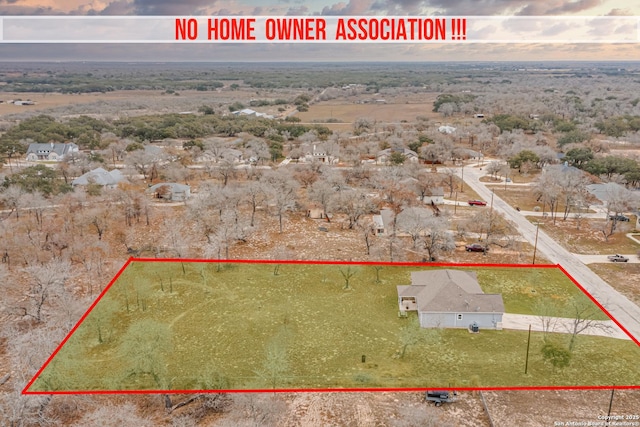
<point x="323" y="193"/>
<point x="618" y="200"/>
<point x="114" y="415"/>
<point x="347" y="274"/>
<point x="354" y="204"/>
<point x="276" y="364"/>
<point x="146" y="162"/>
<point x="47" y="281"/>
<point x="144" y="348"/>
<point x="546" y="311"/>
<point x="255" y="194"/>
<point x="582" y="312"/>
<point x="13" y="198"/>
<point x="282" y="193"/>
<point x="438" y="238"/>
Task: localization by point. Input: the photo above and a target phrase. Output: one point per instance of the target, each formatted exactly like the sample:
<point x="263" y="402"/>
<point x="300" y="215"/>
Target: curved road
<point x="620" y="307"/>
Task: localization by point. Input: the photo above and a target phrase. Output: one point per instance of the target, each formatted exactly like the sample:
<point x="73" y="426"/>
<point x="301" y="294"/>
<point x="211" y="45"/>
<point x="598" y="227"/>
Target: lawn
<point x="190" y="326"/>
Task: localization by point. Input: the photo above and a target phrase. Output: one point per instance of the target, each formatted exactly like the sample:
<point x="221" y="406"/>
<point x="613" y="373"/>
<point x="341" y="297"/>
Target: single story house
<point x="434" y="195"/>
<point x="405" y="222"/>
<point x="53" y="151"/>
<point x="171" y="191"/>
<point x="446" y="129"/>
<point x="384" y="156"/>
<point x="317" y="153"/>
<point x="101" y="177"/>
<point x="450" y="299"/>
<point x="383" y="223"/>
<point x="250" y="112"/>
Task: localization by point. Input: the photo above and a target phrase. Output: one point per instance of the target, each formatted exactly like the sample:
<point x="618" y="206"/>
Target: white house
<point x="450" y="299"/>
<point x="52" y="151"/>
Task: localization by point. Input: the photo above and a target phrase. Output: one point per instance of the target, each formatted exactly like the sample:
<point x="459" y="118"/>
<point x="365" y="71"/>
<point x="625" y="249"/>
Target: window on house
<point x="459" y="316"/>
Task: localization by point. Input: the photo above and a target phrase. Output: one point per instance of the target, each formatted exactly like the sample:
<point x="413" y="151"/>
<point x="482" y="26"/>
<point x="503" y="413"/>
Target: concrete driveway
<point x="563" y="325"/>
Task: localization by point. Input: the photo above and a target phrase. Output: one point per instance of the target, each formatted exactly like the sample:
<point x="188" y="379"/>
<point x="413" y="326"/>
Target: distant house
<point x="384" y="156"/>
<point x="317" y="213"/>
<point x="450" y="299"/>
<point x="172" y="192"/>
<point x="405" y="222"/>
<point x="101" y="177"/>
<point x="434" y="195"/>
<point x="52" y="151"/>
<point x="250" y="112"/>
<point x="446" y="129"/>
<point x="317" y="153"/>
<point x="383" y="222"/>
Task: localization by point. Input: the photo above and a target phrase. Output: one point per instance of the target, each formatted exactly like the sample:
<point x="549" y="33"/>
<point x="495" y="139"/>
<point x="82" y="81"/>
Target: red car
<point x="477" y="203"/>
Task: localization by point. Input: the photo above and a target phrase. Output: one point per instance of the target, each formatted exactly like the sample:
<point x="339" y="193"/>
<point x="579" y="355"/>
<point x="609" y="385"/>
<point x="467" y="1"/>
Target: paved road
<point x="595" y="259"/>
<point x="560" y="325"/>
<point x="590" y="215"/>
<point x="622" y="309"/>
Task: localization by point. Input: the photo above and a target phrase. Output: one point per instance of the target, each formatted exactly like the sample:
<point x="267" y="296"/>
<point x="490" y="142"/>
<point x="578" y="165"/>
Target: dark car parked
<point x="619" y="217"/>
<point x="476" y="247"/>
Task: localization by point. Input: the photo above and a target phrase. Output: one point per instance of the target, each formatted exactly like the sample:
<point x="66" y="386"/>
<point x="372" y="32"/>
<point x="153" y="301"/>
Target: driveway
<point x="624" y="311"/>
<point x="563" y="325"/>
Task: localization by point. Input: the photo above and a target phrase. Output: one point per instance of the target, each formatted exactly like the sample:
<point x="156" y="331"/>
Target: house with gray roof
<point x="384" y="156"/>
<point x="101" y="177"/>
<point x="52" y="151"/>
<point x="450" y="299"/>
<point x="170" y="191"/>
<point x="434" y="195"/>
<point x="406" y="223"/>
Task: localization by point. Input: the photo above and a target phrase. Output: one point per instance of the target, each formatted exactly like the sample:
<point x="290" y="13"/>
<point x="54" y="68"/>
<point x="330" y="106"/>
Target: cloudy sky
<point x="325" y="52"/>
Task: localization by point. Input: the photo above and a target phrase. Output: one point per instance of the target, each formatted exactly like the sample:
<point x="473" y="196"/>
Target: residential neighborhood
<point x="339" y="235"/>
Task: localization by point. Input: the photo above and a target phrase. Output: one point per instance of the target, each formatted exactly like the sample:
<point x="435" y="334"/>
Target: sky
<point x="326" y="52"/>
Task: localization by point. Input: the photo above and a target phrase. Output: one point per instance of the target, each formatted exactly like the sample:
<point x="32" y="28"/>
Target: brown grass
<point x="624" y="278"/>
<point x="589" y="238"/>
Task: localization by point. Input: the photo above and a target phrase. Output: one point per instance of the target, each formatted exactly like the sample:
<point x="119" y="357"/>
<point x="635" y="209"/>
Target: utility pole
<point x="526" y="363"/>
<point x="462" y="184"/>
<point x="455" y="206"/>
<point x="535" y="245"/>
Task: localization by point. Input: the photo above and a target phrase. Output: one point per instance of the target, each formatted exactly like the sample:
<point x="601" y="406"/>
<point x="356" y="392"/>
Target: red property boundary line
<point x="323" y="390"/>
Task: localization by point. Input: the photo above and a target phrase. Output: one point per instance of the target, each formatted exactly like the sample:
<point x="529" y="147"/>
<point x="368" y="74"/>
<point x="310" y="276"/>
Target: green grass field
<point x="194" y="326"/>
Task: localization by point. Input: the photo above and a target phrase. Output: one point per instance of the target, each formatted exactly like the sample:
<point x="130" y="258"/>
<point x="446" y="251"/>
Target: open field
<point x="191" y="326"/>
<point x="398" y="109"/>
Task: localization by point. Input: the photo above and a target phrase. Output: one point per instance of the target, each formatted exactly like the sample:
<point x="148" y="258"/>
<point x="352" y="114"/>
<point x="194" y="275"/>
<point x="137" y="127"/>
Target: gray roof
<point x="58" y="148"/>
<point x="175" y="187"/>
<point x="450" y="291"/>
<point x="387" y="217"/>
<point x="100" y="176"/>
<point x="435" y="191"/>
<point x="401" y="150"/>
<point x="604" y="191"/>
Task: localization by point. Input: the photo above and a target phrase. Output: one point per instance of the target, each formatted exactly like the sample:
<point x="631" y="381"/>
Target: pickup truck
<point x="617" y="258"/>
<point x="477" y="203"/>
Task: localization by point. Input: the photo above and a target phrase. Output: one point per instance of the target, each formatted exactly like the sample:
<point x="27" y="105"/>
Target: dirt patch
<point x="393" y="111"/>
<point x="543" y="408"/>
<point x="624" y="278"/>
<point x="588" y="239"/>
<point x="381" y="409"/>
